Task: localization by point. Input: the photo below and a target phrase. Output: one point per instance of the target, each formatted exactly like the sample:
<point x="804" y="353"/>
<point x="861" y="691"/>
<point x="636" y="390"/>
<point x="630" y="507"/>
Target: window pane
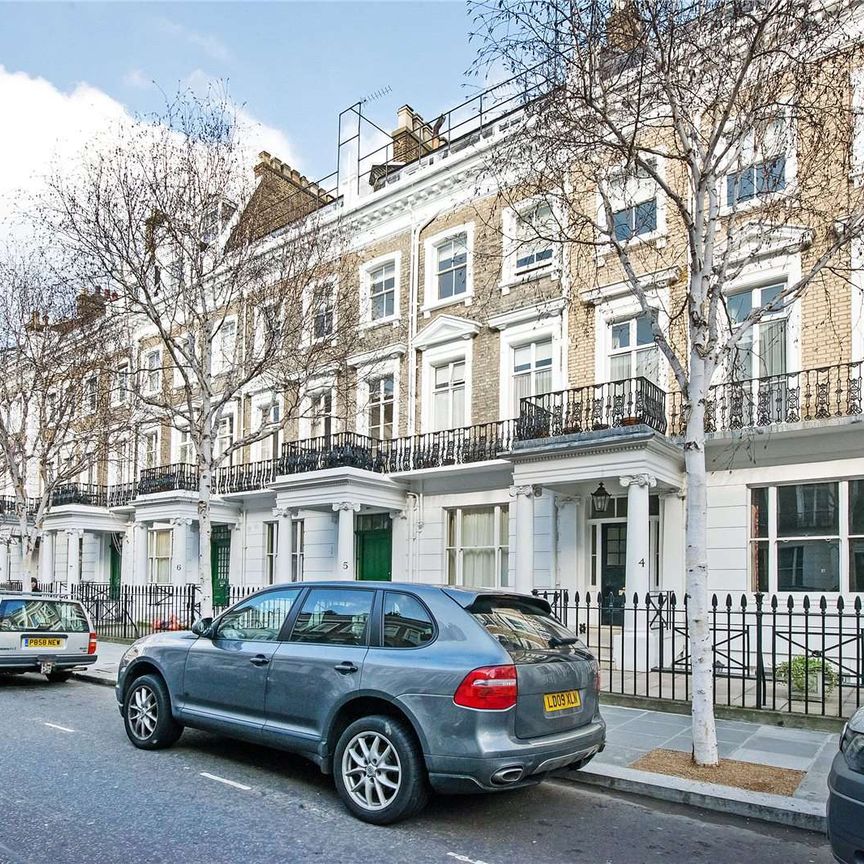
<point x="646" y="217"/>
<point x="621" y="335"/>
<point x="334" y="617"/>
<point x="644" y="334"/>
<point x="856" y="565"/>
<point x="619" y="367"/>
<point x="407" y="624"/>
<point x="521" y="358"/>
<point x="808" y="565"/>
<point x="543" y="353"/>
<point x="478" y="527"/>
<point x="772" y="348"/>
<point x="759" y="512"/>
<point x="621" y="224"/>
<point x="807" y="510"/>
<point x="759" y="566"/>
<point x="648" y="364"/>
<point x="259" y="619"/>
<point x="856" y="506"/>
<point x="458" y="406"/>
<point x="739" y="306"/>
<point x="478" y="568"/>
<point x="458" y="373"/>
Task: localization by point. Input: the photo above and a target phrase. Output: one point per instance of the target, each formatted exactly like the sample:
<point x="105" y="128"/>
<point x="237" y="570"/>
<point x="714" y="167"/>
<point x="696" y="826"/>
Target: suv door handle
<point x="259" y="660"/>
<point x="345" y="668"/>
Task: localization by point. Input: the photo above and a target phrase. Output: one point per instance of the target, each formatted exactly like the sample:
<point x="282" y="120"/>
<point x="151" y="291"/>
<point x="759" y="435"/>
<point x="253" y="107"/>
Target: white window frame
<point x="146" y="436"/>
<point x="510" y="220"/>
<point x="91" y="398"/>
<point x="750" y="157"/>
<point x="314" y="390"/>
<point x="366" y="271"/>
<point x="773" y="539"/>
<point x="153" y="559"/>
<point x="309" y="315"/>
<point x="229" y="418"/>
<point x="371" y="371"/>
<point x="439" y="356"/>
<point x="430" y="254"/>
<point x="630" y="197"/>
<point x="263" y="415"/>
<point x="120" y="390"/>
<point x="632" y="349"/>
<point x="517" y="335"/>
<point x="183" y="441"/>
<point x="222" y="362"/>
<point x="153" y="373"/>
<point x="501" y="543"/>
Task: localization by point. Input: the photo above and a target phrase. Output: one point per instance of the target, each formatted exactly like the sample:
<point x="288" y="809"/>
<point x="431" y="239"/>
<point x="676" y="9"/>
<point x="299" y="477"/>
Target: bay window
<point x="478" y="546"/>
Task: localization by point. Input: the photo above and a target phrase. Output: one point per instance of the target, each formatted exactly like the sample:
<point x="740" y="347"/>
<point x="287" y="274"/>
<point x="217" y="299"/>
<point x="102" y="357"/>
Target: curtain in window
<point x="478" y="548"/>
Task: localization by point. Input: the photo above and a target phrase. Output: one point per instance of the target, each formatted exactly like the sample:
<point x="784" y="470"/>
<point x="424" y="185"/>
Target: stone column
<point x="4" y="562"/>
<point x="139" y="569"/>
<point x="46" y="557"/>
<point x="73" y="557"/>
<point x="637" y="572"/>
<point x="524" y="558"/>
<point x="570" y="530"/>
<point x="346" y="565"/>
<point x="284" y="542"/>
<point x="180" y="550"/>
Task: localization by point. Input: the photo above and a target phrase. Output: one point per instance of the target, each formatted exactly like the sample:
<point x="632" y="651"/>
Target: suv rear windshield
<point x="521" y="625"/>
<point x="32" y="614"/>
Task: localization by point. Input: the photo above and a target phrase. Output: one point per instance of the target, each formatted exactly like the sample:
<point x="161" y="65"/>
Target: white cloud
<point x="211" y="45"/>
<point x="137" y="79"/>
<point x="47" y="129"/>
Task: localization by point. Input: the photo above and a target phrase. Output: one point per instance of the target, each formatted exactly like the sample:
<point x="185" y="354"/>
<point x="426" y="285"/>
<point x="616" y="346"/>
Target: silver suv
<point x="40" y="633"/>
<point x="393" y="688"/>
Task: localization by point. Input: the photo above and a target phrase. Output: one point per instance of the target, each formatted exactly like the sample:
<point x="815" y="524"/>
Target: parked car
<point x="39" y="633"/>
<point x="393" y="688"/>
<point x="846" y="794"/>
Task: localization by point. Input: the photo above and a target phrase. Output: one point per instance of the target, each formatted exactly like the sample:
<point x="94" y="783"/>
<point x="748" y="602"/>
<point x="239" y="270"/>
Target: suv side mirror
<point x="202" y="626"/>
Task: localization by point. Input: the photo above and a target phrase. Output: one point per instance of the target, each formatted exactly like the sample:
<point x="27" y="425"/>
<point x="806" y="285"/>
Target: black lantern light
<point x="600" y="499"/>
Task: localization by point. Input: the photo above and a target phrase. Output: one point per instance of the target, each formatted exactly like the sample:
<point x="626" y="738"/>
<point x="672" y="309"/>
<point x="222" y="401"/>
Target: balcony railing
<point x="120" y="494"/>
<point x="246" y="477"/>
<point x="587" y="409"/>
<point x="339" y="450"/>
<point x="168" y="478"/>
<point x="477" y="443"/>
<point x="90" y="494"/>
<point x="9" y="506"/>
<point x="794" y="397"/>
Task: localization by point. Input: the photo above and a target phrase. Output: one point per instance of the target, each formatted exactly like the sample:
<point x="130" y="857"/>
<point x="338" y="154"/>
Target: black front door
<point x="613" y="545"/>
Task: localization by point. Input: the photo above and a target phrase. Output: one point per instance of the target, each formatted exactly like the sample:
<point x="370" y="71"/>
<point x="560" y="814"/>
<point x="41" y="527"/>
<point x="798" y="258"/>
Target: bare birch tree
<point x="54" y="419"/>
<point x="692" y="142"/>
<point x="215" y="304"/>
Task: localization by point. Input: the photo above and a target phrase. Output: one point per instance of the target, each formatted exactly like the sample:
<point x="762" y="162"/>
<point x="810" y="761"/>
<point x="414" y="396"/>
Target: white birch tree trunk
<point x="205" y="528"/>
<point x="701" y="660"/>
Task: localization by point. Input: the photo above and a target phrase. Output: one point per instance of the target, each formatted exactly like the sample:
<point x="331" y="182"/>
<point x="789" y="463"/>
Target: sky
<point x="67" y="69"/>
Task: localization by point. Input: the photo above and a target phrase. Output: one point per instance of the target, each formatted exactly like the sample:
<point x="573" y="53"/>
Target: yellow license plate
<point x="30" y="642"/>
<point x="561" y="701"/>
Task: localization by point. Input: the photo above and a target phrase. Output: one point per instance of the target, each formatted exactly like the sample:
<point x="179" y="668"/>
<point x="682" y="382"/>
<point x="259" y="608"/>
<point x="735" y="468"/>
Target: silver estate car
<point x="845" y="812"/>
<point x="393" y="688"/>
<point x="40" y="633"/>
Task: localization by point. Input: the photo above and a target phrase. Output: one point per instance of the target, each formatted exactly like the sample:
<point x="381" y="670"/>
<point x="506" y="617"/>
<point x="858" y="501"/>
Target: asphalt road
<point x="72" y="789"/>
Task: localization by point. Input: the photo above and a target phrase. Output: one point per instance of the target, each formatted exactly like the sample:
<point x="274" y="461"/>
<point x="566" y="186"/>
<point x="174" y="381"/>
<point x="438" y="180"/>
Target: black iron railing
<point x="167" y="478"/>
<point x="90" y="494"/>
<point x="246" y="477"/>
<point x="613" y="404"/>
<point x="339" y="450"/>
<point x="789" y="654"/>
<point x="9" y="506"/>
<point x="477" y="443"/>
<point x="121" y="494"/>
<point x="795" y="397"/>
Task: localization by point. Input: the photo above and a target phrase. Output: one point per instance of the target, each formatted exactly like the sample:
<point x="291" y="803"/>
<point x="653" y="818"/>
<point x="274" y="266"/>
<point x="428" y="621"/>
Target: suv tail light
<point x="91" y="645"/>
<point x="598" y="683"/>
<point x="490" y="688"/>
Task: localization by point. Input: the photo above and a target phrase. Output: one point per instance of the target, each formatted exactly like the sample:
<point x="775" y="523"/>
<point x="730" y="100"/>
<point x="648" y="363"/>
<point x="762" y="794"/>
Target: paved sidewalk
<point x="633" y="732"/>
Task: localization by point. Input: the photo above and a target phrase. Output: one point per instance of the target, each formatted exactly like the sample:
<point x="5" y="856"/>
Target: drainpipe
<point x="413" y="300"/>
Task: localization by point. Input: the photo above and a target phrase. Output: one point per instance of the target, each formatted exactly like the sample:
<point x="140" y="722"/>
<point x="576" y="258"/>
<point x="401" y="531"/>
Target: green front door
<point x="613" y="571"/>
<point x="220" y="563"/>
<point x="374" y="539"/>
<point x="115" y="547"/>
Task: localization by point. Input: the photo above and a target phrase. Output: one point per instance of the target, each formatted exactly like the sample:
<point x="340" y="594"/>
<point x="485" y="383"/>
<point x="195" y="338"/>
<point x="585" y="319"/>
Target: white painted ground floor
<point x="785" y="515"/>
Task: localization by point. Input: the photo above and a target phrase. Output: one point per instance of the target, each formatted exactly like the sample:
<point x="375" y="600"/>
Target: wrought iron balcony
<point x="121" y="494"/>
<point x="819" y="394"/>
<point x="168" y="478"/>
<point x="246" y="477"/>
<point x="609" y="405"/>
<point x="9" y="506"/>
<point x="339" y="450"/>
<point x="89" y="494"/>
<point x="477" y="443"/>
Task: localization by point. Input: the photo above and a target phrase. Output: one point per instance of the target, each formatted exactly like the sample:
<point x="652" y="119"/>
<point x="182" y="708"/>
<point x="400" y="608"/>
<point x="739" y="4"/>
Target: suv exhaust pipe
<point x="505" y="776"/>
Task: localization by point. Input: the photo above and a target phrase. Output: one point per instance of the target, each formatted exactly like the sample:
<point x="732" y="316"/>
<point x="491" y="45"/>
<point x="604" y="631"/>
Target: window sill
<point x="392" y="321"/>
<point x="462" y="299"/>
<point x="527" y="276"/>
<point x="655" y="240"/>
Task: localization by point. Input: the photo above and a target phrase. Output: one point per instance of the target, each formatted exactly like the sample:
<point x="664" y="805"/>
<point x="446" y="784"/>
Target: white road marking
<point x="226" y="782"/>
<point x="61" y="728"/>
<point x="464" y="858"/>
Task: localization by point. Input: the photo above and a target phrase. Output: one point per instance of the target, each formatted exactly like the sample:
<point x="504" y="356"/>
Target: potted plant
<point x="807" y="675"/>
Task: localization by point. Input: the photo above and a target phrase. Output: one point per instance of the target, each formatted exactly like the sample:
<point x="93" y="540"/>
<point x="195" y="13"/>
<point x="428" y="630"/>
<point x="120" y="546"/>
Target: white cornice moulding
<point x="376" y="355"/>
<point x="647" y="282"/>
<point x="537" y="312"/>
<point x="446" y="328"/>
